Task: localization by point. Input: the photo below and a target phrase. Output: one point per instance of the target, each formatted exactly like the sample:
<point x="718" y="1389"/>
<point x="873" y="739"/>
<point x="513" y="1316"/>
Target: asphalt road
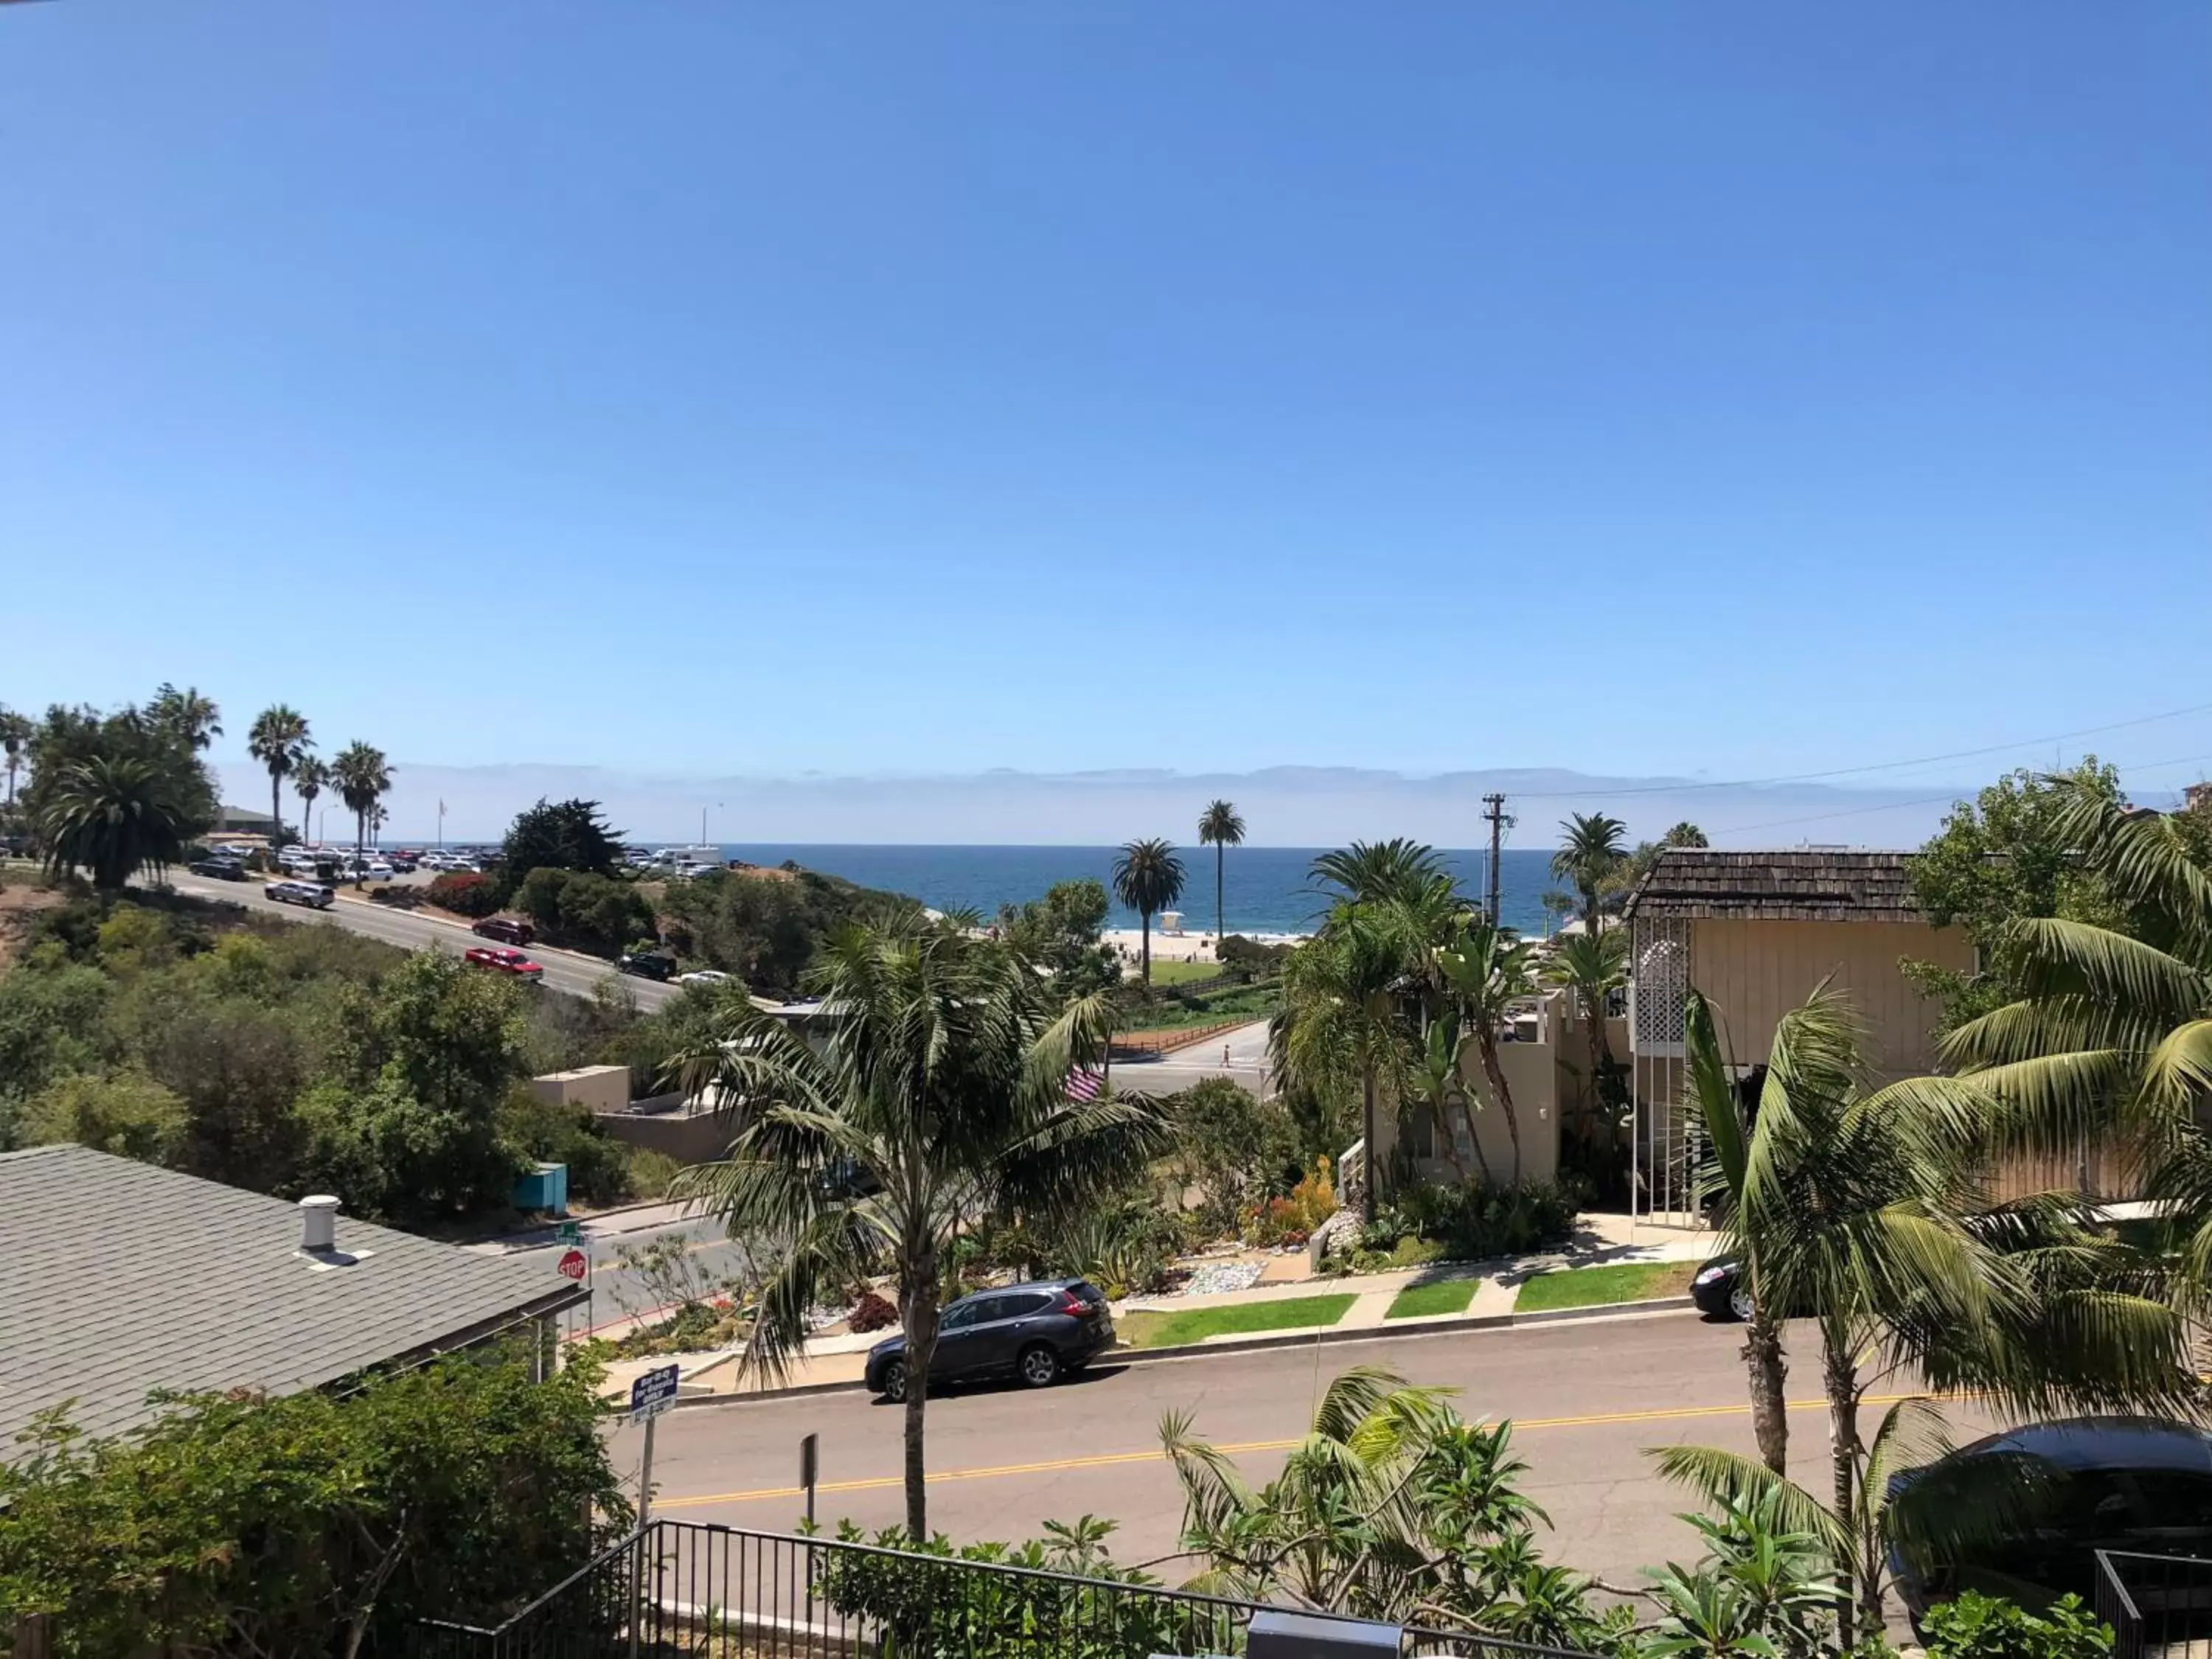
<point x="1241" y="1054"/>
<point x="565" y="970"/>
<point x="1586" y="1397"/>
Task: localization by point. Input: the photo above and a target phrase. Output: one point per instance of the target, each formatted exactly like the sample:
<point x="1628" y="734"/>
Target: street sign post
<point x="809" y="1467"/>
<point x="652" y="1394"/>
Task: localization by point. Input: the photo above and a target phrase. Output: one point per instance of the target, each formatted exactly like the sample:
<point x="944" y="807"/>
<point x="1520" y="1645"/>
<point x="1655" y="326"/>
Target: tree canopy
<point x="568" y="834"/>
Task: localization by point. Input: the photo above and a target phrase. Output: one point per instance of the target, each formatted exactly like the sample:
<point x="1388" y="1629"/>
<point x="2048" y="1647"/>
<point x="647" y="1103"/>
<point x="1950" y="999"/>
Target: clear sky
<point x="1722" y="389"/>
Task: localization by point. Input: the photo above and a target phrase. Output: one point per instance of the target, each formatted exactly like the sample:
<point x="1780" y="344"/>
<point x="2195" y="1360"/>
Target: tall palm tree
<point x="16" y="730"/>
<point x="279" y="739"/>
<point x="1342" y="1016"/>
<point x="1220" y="827"/>
<point x="1371" y="872"/>
<point x="310" y="777"/>
<point x="1148" y="878"/>
<point x="1866" y="1210"/>
<point x="938" y="1089"/>
<point x="192" y="720"/>
<point x="1486" y="970"/>
<point x="115" y="814"/>
<point x="361" y="775"/>
<point x="1593" y="850"/>
<point x="1593" y="966"/>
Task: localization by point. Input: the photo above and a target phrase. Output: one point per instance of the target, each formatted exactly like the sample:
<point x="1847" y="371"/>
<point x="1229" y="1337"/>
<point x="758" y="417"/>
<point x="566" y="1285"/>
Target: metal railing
<point x="686" y="1587"/>
<point x="2160" y="1607"/>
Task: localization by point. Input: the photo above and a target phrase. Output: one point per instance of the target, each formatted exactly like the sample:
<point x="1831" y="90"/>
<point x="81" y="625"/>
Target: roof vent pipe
<point x="318" y="1222"/>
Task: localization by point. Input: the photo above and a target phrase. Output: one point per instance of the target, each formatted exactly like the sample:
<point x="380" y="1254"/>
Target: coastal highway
<point x="1587" y="1398"/>
<point x="565" y="970"/>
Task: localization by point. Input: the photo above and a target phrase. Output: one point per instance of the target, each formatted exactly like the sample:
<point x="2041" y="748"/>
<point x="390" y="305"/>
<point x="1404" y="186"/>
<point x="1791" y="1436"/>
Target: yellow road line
<point x="1106" y="1460"/>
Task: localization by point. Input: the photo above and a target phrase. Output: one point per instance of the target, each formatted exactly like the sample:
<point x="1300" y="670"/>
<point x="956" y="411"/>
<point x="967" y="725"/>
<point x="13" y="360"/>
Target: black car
<point x="1720" y="1291"/>
<point x="2134" y="1485"/>
<point x="222" y="869"/>
<point x="647" y="964"/>
<point x="1036" y="1332"/>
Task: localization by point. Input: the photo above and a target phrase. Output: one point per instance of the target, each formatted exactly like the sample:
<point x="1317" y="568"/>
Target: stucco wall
<point x="597" y="1088"/>
<point x="1531" y="1077"/>
<point x="1754" y="972"/>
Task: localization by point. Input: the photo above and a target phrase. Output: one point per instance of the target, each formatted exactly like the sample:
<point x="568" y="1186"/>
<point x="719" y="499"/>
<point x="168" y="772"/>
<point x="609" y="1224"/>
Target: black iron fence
<point x="2160" y="1607"/>
<point x="685" y="1588"/>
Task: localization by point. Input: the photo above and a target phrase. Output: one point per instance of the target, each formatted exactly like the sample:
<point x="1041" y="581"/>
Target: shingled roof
<point x="1801" y="885"/>
<point x="120" y="1278"/>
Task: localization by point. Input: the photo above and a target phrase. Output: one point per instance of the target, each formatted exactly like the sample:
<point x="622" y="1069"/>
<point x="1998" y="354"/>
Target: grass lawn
<point x="1237" y="1002"/>
<point x="1589" y="1287"/>
<point x="1168" y="1330"/>
<point x="1438" y="1296"/>
<point x="1179" y="973"/>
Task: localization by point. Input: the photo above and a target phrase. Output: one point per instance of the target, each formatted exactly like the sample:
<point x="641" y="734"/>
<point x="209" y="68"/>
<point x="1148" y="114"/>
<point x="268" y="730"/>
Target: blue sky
<point x="1724" y="389"/>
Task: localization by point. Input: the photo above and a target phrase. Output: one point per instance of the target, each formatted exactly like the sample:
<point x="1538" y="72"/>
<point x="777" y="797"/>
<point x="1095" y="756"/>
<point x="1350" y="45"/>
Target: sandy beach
<point x="1192" y="945"/>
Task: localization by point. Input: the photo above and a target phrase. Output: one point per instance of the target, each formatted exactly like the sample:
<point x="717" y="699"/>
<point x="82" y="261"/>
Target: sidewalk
<point x="830" y="1362"/>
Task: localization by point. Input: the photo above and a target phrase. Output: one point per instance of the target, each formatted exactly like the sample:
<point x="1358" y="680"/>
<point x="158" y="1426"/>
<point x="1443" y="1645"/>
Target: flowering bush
<point x="466" y="893"/>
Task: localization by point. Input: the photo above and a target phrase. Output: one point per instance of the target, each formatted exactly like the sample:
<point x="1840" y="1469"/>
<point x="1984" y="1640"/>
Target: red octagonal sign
<point x="572" y="1265"/>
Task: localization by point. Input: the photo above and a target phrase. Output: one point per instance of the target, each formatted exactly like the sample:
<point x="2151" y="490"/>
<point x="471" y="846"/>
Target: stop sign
<point x="572" y="1265"/>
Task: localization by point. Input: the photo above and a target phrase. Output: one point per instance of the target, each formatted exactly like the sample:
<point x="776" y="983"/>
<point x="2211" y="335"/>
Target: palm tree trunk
<point x="1220" y="913"/>
<point x="919" y="1313"/>
<point x="1768" y="1369"/>
<point x="1147" y="943"/>
<point x="1486" y="1040"/>
<point x="275" y="813"/>
<point x="1841" y="1376"/>
<point x="1373" y="1170"/>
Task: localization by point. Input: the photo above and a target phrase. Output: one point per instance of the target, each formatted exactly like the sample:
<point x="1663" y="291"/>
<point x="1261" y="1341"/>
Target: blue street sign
<point x="654" y="1393"/>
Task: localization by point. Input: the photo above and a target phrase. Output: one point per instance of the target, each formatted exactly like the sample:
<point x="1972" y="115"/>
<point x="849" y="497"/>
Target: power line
<point x="1860" y="771"/>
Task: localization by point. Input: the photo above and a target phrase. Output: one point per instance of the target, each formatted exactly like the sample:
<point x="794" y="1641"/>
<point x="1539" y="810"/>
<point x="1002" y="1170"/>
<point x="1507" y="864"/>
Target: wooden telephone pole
<point x="1498" y="822"/>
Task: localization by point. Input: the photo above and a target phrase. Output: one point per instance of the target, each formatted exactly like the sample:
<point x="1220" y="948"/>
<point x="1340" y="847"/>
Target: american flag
<point x="1085" y="1083"/>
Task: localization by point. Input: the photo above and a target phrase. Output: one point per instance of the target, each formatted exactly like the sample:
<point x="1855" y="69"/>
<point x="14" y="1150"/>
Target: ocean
<point x="1265" y="890"/>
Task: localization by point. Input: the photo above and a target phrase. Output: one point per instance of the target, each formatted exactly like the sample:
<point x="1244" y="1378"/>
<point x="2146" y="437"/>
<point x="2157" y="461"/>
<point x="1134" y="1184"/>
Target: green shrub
<point x="466" y="893"/>
<point x="651" y="1173"/>
<point x="1976" y="1626"/>
<point x="1416" y="1253"/>
<point x="1473" y="1221"/>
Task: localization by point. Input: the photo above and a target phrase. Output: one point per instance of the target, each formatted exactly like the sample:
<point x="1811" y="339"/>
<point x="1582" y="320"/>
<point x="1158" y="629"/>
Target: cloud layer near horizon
<point x="1282" y="806"/>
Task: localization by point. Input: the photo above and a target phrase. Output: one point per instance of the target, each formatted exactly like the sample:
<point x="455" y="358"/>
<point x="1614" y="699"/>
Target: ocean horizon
<point x="1265" y="890"/>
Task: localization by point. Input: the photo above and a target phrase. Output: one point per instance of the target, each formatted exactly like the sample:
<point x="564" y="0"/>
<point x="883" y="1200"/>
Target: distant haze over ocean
<point x="1289" y="807"/>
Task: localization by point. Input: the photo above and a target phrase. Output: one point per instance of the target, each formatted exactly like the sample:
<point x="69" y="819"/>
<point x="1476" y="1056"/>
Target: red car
<point x="507" y="962"/>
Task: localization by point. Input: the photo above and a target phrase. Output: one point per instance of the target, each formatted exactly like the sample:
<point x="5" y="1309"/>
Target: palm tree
<point x="280" y="741"/>
<point x="1593" y="966"/>
<point x="310" y="777"/>
<point x="192" y="720"/>
<point x="115" y="814"/>
<point x="939" y="1088"/>
<point x="1591" y="854"/>
<point x="16" y="730"/>
<point x="360" y="775"/>
<point x="1220" y="828"/>
<point x="1370" y="872"/>
<point x="1341" y="1016"/>
<point x="1867" y="1212"/>
<point x="1486" y="970"/>
<point x="1148" y="878"/>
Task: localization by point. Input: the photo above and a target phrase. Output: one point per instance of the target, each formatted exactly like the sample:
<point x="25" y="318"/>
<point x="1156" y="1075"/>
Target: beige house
<point x="1755" y="932"/>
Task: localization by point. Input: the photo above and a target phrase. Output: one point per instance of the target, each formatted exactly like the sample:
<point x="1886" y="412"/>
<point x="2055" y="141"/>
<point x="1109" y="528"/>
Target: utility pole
<point x="1497" y="821"/>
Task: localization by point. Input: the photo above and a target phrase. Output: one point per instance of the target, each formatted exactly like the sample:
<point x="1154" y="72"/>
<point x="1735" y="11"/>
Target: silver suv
<point x="312" y="893"/>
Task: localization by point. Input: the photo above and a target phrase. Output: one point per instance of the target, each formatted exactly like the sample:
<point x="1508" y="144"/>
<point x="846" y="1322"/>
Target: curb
<point x="1457" y="1325"/>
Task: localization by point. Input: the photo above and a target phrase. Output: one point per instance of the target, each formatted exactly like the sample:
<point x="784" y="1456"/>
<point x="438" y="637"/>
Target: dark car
<point x="1720" y="1291"/>
<point x="647" y="964"/>
<point x="505" y="928"/>
<point x="403" y="864"/>
<point x="2136" y="1485"/>
<point x="1036" y="1332"/>
<point x="222" y="869"/>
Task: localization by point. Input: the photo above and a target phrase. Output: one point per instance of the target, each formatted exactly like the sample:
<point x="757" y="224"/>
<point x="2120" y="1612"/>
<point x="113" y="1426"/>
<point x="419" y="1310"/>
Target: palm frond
<point x="1727" y="1478"/>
